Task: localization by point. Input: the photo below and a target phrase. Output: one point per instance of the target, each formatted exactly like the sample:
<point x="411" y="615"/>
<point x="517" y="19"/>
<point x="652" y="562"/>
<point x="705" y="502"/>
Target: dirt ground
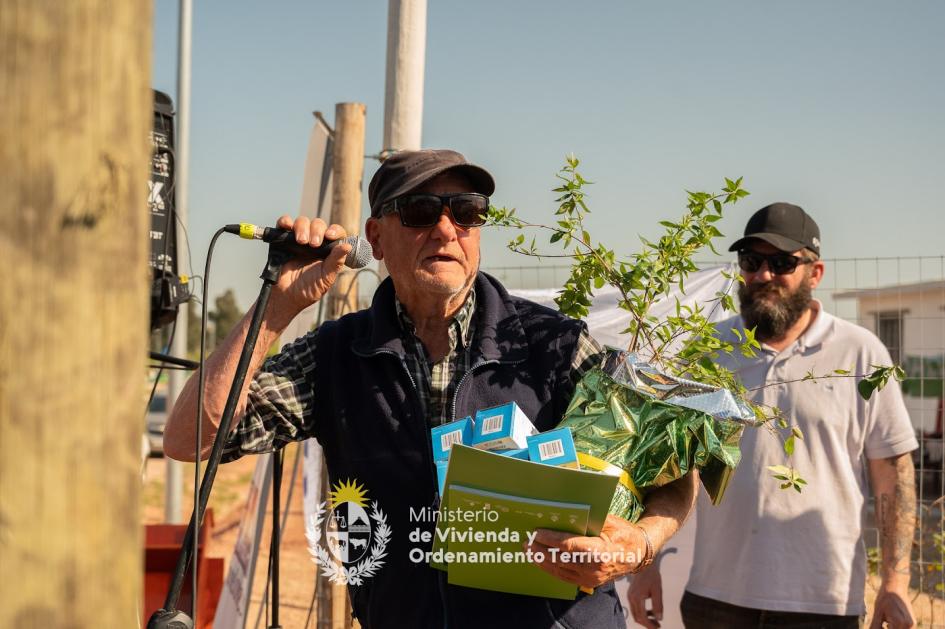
<point x="929" y="612"/>
<point x="297" y="570"/>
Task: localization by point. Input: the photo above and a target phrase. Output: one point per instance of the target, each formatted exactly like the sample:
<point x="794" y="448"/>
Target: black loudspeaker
<point x="167" y="290"/>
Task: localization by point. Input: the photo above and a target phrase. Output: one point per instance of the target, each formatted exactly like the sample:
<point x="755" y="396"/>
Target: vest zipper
<point x="463" y="379"/>
<point x="428" y="453"/>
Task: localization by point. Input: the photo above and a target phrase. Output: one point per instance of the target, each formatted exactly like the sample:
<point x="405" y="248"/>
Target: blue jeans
<point x="699" y="612"/>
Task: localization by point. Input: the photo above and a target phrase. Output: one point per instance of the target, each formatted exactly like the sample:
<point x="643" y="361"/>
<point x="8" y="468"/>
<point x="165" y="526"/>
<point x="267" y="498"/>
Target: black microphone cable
<point x="147" y="407"/>
<point x="161" y="367"/>
<point x="198" y="437"/>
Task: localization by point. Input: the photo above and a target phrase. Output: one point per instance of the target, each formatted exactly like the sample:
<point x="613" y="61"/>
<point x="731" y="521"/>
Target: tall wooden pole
<point x="348" y="165"/>
<point x="77" y="106"/>
<point x="347" y="173"/>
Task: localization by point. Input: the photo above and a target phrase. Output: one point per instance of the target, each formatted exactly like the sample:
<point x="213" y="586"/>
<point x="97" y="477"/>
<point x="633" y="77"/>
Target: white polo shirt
<point x="769" y="548"/>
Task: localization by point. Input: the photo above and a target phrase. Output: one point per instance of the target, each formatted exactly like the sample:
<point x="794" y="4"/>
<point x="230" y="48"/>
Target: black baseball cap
<point x="405" y="171"/>
<point x="784" y="225"/>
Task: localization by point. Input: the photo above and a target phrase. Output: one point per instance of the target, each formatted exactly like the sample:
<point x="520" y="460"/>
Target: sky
<point x="835" y="106"/>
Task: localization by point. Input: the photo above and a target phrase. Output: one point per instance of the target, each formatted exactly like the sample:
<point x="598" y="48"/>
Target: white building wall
<point x="923" y="335"/>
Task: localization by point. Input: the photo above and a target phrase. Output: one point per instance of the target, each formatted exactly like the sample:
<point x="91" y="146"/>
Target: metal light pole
<point x="403" y="89"/>
<point x="175" y="477"/>
<point x="406" y="50"/>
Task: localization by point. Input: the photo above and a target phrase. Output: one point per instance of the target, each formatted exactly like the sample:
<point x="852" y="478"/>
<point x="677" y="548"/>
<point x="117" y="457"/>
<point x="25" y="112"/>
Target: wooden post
<point x="340" y="608"/>
<point x="323" y="587"/>
<point x="77" y="106"/>
<point x="348" y="165"/>
<point x="347" y="172"/>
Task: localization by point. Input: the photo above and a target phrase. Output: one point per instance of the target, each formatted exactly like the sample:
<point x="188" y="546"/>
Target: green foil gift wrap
<point x="631" y="420"/>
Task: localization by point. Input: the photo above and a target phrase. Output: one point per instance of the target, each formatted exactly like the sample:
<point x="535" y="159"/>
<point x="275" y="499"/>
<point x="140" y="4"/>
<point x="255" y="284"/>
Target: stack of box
<point x="503" y="427"/>
<point x="444" y="437"/>
<point x="531" y="493"/>
<point x="505" y="430"/>
<point x="555" y="447"/>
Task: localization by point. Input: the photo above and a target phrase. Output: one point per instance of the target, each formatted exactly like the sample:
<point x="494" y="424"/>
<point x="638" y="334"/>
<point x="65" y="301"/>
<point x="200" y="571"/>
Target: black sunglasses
<point x="778" y="263"/>
<point x="468" y="209"/>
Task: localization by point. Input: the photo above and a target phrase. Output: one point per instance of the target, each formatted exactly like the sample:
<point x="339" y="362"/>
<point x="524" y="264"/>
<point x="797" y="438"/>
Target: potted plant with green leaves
<point x="664" y="405"/>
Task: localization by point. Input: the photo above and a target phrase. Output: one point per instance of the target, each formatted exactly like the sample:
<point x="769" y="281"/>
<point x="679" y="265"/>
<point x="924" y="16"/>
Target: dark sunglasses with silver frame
<point x="467" y="209"/>
<point x="778" y="263"/>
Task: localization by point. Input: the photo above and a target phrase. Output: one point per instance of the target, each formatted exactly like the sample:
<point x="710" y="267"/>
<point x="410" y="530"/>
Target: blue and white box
<point x="502" y="428"/>
<point x="441" y="467"/>
<point x="521" y="453"/>
<point x="555" y="447"/>
<point x="446" y="436"/>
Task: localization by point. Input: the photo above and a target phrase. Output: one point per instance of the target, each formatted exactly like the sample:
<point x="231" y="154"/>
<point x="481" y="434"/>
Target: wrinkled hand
<point x="618" y="550"/>
<point x="302" y="284"/>
<point x="894" y="609"/>
<point x="647" y="584"/>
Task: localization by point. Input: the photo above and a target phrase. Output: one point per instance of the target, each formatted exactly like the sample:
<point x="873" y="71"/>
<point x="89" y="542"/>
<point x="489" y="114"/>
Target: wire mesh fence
<point x="902" y="301"/>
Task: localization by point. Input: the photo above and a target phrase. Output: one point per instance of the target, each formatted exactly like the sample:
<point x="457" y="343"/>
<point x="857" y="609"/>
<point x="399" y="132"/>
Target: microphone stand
<point x="169" y="617"/>
<point x="276" y="538"/>
<point x="183" y="363"/>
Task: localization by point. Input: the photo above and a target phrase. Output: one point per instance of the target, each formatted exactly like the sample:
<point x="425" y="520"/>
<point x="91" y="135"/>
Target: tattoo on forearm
<point x="896" y="513"/>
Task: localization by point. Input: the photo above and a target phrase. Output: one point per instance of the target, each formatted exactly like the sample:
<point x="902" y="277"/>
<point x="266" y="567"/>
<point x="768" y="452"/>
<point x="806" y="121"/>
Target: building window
<point x="889" y="331"/>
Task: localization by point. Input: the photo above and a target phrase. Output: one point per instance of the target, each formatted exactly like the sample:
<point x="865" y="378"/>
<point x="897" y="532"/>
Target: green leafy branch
<point x="687" y="343"/>
<point x="878" y="379"/>
<point x="868" y="382"/>
<point x="788" y="476"/>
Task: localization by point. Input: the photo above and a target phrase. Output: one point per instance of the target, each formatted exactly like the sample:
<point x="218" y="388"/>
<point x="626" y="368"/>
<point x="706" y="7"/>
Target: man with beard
<point x="767" y="557"/>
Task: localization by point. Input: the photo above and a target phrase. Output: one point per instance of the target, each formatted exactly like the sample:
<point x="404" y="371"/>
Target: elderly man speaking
<point x="440" y="340"/>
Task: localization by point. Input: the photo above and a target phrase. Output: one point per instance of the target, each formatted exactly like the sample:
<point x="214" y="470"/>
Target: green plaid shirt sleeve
<point x="587" y="355"/>
<point x="279" y="403"/>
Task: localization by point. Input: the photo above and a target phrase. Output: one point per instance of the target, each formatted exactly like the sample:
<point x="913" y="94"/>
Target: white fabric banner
<point x="315" y="203"/>
<point x="607" y="322"/>
<point x="312" y="464"/>
<point x="234" y="599"/>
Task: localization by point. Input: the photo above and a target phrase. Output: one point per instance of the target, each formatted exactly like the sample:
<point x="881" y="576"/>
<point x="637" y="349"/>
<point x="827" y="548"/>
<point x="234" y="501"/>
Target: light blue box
<point x="502" y="428"/>
<point x="446" y="436"/>
<point x="555" y="447"/>
<point x="520" y="453"/>
<point x="441" y="467"/>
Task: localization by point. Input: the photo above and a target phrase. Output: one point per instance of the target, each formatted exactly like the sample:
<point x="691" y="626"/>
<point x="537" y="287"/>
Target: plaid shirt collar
<point x="436" y="382"/>
<point x="493" y="311"/>
<point x="460" y="326"/>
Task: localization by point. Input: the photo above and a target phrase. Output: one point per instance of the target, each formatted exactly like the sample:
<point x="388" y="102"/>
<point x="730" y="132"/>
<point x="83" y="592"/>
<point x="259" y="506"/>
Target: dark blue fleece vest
<point x="371" y="427"/>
